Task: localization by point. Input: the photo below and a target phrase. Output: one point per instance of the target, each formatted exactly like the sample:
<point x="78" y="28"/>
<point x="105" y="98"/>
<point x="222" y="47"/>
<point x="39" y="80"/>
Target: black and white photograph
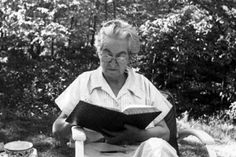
<point x="117" y="78"/>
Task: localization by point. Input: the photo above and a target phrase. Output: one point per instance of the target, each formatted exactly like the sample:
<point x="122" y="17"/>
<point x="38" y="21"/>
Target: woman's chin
<point x="113" y="74"/>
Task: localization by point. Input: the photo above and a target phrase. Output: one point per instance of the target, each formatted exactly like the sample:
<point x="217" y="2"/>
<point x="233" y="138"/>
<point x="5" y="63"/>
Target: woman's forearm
<point x="161" y="131"/>
<point x="61" y="128"/>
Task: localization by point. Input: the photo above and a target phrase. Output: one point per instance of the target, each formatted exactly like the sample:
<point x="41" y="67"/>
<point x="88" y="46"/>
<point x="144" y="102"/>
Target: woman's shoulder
<point x="87" y="73"/>
<point x="139" y="76"/>
<point x="84" y="76"/>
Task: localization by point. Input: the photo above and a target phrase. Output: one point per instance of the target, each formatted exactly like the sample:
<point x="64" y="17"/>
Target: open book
<point x="99" y="118"/>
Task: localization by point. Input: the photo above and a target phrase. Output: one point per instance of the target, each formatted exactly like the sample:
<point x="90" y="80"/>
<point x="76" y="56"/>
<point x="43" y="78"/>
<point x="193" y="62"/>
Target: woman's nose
<point x="113" y="62"/>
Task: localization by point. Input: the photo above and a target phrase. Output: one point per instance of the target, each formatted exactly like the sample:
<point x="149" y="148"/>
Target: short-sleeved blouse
<point x="92" y="87"/>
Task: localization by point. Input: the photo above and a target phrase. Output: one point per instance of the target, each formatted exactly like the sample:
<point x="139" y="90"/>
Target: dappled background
<point x="188" y="48"/>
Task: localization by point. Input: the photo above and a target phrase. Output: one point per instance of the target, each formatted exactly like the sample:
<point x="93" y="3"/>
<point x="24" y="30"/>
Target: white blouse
<point x="92" y="87"/>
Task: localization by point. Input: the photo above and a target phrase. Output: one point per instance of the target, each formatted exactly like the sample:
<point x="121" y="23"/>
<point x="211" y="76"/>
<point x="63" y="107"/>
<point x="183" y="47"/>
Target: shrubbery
<point x="184" y="53"/>
<point x="188" y="48"/>
<point x="29" y="87"/>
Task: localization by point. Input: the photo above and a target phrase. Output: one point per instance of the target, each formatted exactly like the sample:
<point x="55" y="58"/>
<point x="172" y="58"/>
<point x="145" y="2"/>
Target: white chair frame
<point x="79" y="136"/>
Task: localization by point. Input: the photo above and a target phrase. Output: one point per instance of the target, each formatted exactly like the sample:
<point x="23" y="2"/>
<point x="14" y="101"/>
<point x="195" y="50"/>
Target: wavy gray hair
<point x="121" y="30"/>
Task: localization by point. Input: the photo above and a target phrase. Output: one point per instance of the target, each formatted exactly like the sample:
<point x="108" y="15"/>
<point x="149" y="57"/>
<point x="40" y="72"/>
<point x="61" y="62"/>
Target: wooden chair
<point x="79" y="136"/>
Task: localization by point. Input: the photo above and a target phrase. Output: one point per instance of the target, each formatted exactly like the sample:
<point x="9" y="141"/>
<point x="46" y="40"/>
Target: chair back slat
<point x="170" y="120"/>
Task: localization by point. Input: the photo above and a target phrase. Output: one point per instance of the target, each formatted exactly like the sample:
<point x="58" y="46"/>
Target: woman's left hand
<point x="130" y="135"/>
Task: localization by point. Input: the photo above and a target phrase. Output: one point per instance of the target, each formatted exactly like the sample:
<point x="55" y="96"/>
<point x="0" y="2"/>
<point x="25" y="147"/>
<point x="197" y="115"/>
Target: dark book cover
<point x="99" y="118"/>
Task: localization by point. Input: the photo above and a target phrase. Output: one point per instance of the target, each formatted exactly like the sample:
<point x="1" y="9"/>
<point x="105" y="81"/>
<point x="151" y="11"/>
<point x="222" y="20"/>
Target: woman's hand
<point x="61" y="129"/>
<point x="130" y="135"/>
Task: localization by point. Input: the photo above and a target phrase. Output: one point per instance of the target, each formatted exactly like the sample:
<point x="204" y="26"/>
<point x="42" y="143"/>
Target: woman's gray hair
<point x="121" y="30"/>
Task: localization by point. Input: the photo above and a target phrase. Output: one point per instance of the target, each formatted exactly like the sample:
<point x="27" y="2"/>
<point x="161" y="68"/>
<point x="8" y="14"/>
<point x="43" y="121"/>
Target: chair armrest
<point x="79" y="136"/>
<point x="78" y="133"/>
<point x="204" y="137"/>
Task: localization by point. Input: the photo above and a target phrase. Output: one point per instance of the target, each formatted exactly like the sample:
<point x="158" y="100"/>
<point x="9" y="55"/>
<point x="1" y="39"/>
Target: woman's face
<point x="114" y="57"/>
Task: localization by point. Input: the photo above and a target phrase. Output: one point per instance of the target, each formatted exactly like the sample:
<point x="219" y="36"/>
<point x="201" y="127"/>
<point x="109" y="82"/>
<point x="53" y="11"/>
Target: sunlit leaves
<point x="192" y="52"/>
<point x="188" y="47"/>
<point x="47" y="23"/>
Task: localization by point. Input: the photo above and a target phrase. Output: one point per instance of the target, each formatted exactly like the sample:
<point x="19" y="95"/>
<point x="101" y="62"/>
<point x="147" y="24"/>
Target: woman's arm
<point x="160" y="130"/>
<point x="61" y="129"/>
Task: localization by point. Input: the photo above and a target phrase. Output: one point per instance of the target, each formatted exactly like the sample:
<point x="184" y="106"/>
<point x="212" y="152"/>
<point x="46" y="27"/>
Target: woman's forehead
<point x="115" y="45"/>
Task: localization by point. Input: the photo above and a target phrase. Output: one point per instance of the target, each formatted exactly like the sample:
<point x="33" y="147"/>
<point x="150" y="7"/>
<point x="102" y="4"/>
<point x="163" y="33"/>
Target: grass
<point x="36" y="131"/>
<point x="39" y="133"/>
<point x="221" y="129"/>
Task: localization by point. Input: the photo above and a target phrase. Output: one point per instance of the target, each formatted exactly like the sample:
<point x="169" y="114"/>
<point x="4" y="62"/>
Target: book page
<point x="137" y="109"/>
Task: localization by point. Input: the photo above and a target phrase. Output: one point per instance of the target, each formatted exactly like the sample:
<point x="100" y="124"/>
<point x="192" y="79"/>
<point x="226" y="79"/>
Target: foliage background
<point x="188" y="48"/>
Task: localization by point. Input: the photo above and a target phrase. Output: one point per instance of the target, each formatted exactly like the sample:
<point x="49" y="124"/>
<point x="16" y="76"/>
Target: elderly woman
<point x="116" y="85"/>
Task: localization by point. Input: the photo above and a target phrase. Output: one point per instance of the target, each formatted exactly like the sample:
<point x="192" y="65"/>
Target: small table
<point x="34" y="154"/>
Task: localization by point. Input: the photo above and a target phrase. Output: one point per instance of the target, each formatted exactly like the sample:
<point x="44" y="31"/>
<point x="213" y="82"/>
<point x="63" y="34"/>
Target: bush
<point x="186" y="54"/>
<point x="188" y="48"/>
<point x="31" y="86"/>
<point x="232" y="112"/>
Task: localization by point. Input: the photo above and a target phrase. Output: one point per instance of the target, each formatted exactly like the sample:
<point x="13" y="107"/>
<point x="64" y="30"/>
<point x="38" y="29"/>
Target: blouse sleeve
<point x="159" y="101"/>
<point x="69" y="98"/>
